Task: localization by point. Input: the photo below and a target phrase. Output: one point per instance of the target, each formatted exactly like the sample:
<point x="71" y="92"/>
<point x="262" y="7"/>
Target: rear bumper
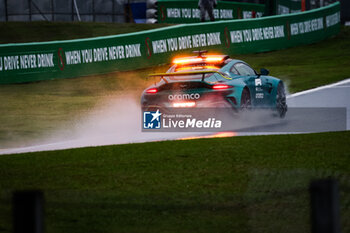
<point x="169" y="106"/>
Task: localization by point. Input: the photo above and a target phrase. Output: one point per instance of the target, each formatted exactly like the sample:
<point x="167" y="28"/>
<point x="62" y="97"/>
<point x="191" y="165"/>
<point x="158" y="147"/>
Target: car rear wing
<point x="204" y="72"/>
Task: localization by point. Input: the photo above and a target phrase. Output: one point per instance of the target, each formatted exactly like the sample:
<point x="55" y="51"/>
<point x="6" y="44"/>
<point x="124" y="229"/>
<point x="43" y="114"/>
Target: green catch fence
<point x="280" y="7"/>
<point x="30" y="62"/>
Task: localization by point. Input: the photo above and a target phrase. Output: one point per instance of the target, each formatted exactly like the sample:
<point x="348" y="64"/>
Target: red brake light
<point x="221" y="86"/>
<point x="152" y="91"/>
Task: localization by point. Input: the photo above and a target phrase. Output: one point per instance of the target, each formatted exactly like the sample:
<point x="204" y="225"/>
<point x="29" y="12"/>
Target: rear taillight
<point x="221" y="86"/>
<point x="152" y="91"/>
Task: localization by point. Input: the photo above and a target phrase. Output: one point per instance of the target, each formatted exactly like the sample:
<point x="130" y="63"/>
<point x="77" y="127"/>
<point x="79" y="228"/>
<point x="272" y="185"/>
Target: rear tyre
<point x="281" y="103"/>
<point x="246" y="102"/>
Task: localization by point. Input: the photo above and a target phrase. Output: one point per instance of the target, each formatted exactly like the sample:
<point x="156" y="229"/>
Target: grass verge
<point x="238" y="184"/>
<point x="18" y="32"/>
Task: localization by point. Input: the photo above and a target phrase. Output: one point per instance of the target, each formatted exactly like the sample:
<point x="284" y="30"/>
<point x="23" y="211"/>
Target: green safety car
<point x="213" y="81"/>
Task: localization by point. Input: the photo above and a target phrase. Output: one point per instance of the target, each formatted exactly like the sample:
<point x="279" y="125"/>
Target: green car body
<point x="235" y="84"/>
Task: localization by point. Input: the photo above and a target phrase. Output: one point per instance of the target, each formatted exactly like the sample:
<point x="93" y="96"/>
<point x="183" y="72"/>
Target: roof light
<point x="189" y="68"/>
<point x="213" y="59"/>
<point x="197" y="68"/>
<point x="221" y="86"/>
<point x="152" y="91"/>
<point x="212" y="67"/>
<point x="187" y="60"/>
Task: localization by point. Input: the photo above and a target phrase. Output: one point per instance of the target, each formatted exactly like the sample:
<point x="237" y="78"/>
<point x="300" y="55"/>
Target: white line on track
<point x="319" y="88"/>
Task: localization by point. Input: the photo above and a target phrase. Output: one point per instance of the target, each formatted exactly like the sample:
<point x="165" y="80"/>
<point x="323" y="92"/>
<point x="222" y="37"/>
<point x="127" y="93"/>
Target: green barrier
<point x="30" y="62"/>
<point x="171" y="11"/>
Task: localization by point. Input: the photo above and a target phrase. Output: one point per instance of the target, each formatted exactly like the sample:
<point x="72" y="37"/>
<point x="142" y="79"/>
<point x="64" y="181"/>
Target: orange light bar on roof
<point x="211" y="67"/>
<point x="187" y="60"/>
<point x="213" y="59"/>
<point x="197" y="68"/>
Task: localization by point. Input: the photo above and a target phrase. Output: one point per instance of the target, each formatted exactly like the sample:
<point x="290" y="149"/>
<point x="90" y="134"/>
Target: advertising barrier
<point x="170" y="11"/>
<point x="30" y="62"/>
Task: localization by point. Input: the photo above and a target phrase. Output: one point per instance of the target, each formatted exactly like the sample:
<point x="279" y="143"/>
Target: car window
<point x="234" y="71"/>
<point x="213" y="78"/>
<point x="244" y="69"/>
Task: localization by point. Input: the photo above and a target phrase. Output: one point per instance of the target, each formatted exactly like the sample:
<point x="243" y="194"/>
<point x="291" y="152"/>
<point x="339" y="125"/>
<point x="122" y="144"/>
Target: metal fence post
<point x="93" y="11"/>
<point x="72" y="10"/>
<point x="30" y="9"/>
<point x="324" y="200"/>
<point x="76" y="10"/>
<point x="113" y="11"/>
<point x="6" y="13"/>
<point x="52" y="12"/>
<point x="28" y="212"/>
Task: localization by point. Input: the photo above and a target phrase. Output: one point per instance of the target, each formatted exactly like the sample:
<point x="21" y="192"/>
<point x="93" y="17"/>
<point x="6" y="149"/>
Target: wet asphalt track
<point x="321" y="109"/>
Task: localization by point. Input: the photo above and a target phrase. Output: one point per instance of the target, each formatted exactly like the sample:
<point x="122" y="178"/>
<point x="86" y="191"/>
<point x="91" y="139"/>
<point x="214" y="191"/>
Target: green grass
<point x="238" y="184"/>
<point x="17" y="32"/>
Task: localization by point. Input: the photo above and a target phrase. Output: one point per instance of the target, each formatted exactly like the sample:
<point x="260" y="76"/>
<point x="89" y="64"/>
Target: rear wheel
<point x="281" y="103"/>
<point x="245" y="99"/>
